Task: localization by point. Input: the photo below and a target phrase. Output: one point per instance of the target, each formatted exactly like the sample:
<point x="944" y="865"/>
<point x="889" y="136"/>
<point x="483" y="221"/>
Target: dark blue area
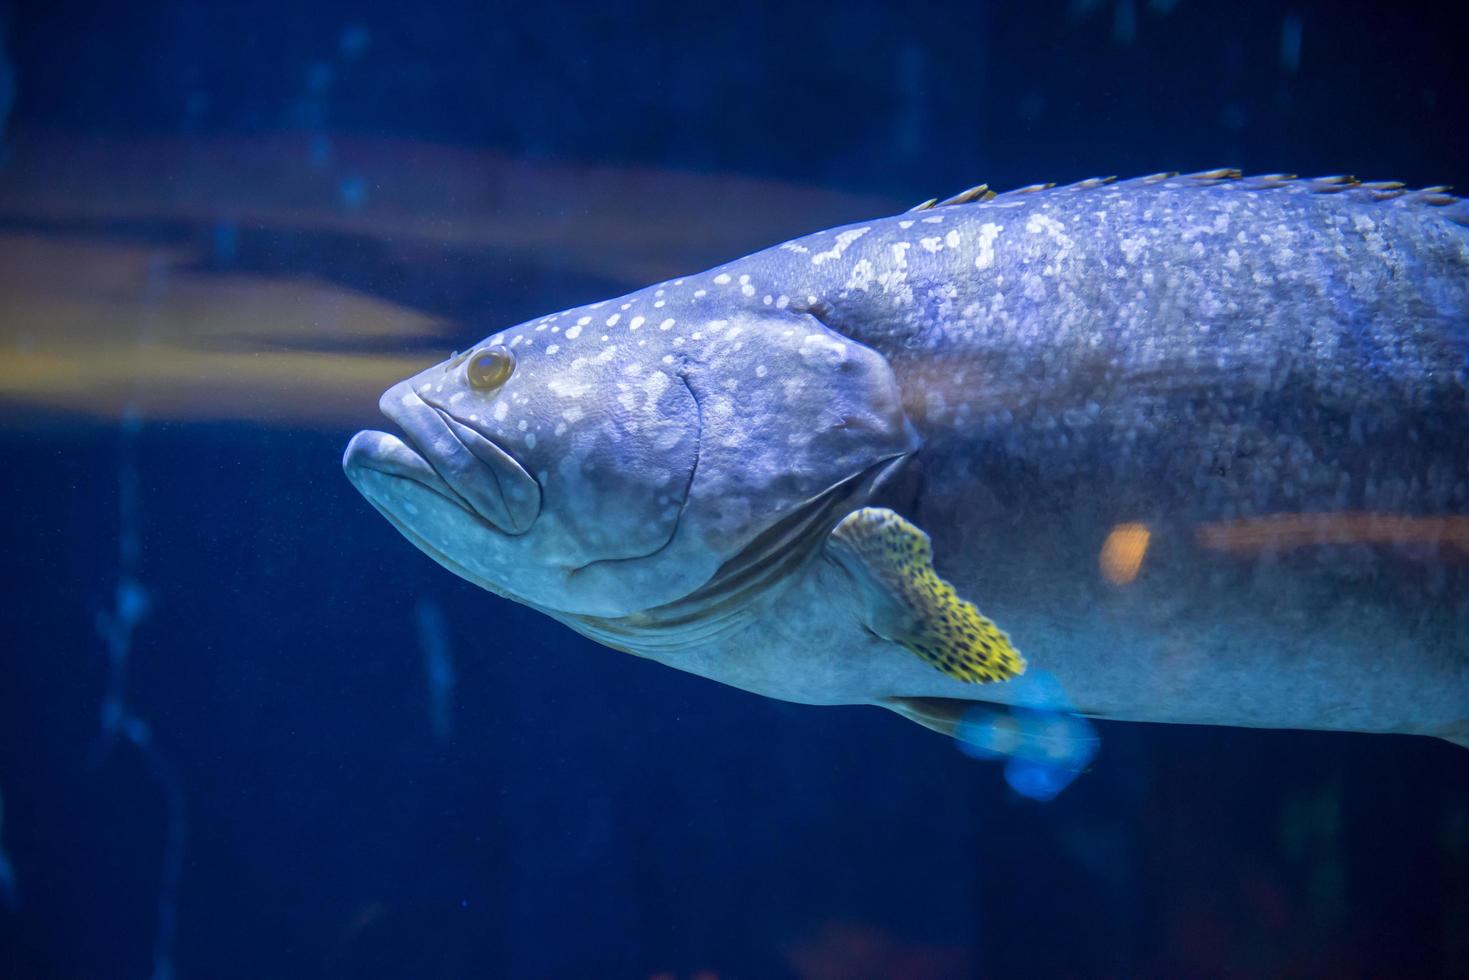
<point x="592" y="814"/>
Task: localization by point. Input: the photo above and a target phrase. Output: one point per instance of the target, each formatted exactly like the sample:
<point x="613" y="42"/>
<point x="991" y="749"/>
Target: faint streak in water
<point x="1286" y="532"/>
<point x="1124" y="22"/>
<point x="1290" y="42"/>
<point x="438" y="664"/>
<point x="9" y="892"/>
<point x="7" y="89"/>
<point x="131" y="604"/>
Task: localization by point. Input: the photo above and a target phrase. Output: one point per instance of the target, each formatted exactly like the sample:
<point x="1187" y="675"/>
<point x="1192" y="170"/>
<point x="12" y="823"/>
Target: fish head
<point x="606" y="461"/>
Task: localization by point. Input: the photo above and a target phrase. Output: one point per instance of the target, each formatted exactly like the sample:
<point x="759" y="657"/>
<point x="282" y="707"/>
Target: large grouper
<point x="1188" y="448"/>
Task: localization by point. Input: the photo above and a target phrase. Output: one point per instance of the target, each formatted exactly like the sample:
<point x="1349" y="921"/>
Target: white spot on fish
<point x="1033" y="287"/>
<point x="952" y="239"/>
<point x="931" y="244"/>
<point x="667" y="323"/>
<point x="636" y="322"/>
<point x="553" y="348"/>
<point x="721" y="279"/>
<point x="655" y="384"/>
<point x="499" y="411"/>
<point x="530" y="440"/>
<point x="747" y="289"/>
<point x="988" y="232"/>
<point x="568" y="387"/>
<point x="900" y="256"/>
<point x="862" y="275"/>
<point x="843" y="241"/>
<point x="612" y="320"/>
<point x="574" y="332"/>
<point x="905" y="225"/>
<point x="573" y="414"/>
<point x="820" y="349"/>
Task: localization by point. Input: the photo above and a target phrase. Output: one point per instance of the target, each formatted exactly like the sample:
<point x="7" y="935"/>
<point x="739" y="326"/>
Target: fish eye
<point x="489" y="367"/>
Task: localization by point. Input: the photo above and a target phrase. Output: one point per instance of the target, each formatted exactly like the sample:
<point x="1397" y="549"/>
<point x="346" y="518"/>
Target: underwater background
<point x="246" y="730"/>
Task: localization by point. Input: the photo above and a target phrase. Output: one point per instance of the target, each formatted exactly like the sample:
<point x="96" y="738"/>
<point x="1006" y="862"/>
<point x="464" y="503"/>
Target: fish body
<point x="1198" y="447"/>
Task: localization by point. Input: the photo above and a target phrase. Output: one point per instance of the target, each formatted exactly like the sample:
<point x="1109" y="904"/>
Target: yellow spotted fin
<point x="891" y="561"/>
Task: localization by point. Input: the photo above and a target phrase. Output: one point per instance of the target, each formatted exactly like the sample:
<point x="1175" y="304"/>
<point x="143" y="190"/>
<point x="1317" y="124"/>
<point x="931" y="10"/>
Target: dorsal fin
<point x="979" y="192"/>
<point x="1395" y="191"/>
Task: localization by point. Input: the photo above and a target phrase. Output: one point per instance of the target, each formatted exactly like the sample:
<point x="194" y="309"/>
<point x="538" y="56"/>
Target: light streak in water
<point x="116" y="627"/>
<point x="438" y="665"/>
<point x="1283" y="532"/>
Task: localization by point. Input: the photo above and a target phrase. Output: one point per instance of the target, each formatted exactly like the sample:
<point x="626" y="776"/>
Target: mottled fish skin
<point x="1018" y="376"/>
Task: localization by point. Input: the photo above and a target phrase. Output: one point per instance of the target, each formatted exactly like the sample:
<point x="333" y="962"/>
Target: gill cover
<point x="788" y="410"/>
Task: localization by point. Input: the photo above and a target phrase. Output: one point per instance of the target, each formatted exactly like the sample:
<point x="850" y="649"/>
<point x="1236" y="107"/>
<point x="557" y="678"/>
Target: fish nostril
<point x="489" y="367"/>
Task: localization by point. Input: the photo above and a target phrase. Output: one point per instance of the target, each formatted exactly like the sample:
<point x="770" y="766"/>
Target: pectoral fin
<point x="891" y="562"/>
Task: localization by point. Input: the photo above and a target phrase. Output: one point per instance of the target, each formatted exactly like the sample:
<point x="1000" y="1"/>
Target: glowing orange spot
<point x="1123" y="552"/>
<point x="1281" y="532"/>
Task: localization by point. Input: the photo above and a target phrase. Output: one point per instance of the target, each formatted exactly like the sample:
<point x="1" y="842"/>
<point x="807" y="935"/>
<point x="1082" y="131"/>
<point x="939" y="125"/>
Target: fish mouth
<point x="449" y="458"/>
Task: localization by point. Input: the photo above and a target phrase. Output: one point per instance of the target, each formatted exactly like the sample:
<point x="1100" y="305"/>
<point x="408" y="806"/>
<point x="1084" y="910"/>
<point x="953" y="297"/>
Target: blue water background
<point x="381" y="771"/>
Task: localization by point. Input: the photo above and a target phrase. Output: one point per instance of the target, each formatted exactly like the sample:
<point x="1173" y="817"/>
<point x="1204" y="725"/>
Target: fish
<point x="1196" y="447"/>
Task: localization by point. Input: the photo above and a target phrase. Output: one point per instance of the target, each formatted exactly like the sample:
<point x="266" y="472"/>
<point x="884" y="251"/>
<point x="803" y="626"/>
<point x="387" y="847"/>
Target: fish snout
<point x="486" y="478"/>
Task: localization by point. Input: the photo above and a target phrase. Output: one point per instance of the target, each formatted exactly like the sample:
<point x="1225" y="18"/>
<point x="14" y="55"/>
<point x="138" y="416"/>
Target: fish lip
<point x="455" y="460"/>
<point x="388" y="454"/>
<point x="392" y="455"/>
